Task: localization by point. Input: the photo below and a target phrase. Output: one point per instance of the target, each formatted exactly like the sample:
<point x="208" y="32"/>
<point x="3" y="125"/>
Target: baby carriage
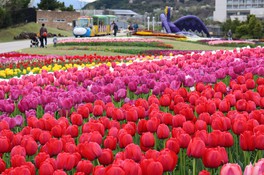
<point x="34" y="42"/>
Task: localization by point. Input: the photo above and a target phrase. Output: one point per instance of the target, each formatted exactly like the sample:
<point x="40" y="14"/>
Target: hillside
<point x="201" y="8"/>
<point x="9" y="33"/>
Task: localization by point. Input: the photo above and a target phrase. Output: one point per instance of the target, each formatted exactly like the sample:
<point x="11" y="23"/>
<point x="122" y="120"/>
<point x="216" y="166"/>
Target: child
<point x="34" y="41"/>
<point x="55" y="40"/>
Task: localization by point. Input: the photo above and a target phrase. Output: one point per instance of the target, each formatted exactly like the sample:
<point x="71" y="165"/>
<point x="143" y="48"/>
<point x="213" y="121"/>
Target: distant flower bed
<point x="230" y="42"/>
<point x="150" y="33"/>
<point x="170" y="52"/>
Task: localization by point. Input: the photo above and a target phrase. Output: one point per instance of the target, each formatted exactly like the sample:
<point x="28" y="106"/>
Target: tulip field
<point x="161" y="113"/>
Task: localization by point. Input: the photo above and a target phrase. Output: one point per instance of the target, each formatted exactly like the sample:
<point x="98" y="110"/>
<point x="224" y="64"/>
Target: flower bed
<point x="184" y="114"/>
<point x="150" y="33"/>
<point x="230" y="42"/>
<point x="114" y="42"/>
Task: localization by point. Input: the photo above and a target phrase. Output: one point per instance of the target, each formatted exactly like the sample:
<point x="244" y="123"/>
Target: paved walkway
<point x="18" y="45"/>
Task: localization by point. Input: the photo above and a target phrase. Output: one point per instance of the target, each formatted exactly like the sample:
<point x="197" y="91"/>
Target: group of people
<point x="42" y="38"/>
<point x="131" y="28"/>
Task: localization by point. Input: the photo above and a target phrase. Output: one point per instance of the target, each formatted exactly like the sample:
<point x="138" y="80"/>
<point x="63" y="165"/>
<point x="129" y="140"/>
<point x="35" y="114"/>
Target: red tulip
<point x="117" y="114"/>
<point x="241" y="105"/>
<point x="205" y="117"/>
<point x="46" y="169"/>
<point x="4" y="125"/>
<point x="83" y="110"/>
<point x="90" y="150"/>
<point x="17" y="160"/>
<point x="247" y="141"/>
<point x="187" y="112"/>
<point x="188" y="127"/>
<point x="226" y="139"/>
<point x="44" y="137"/>
<point x="94" y="136"/>
<point x="220" y="87"/>
<point x="214" y="157"/>
<point x="250" y="84"/>
<point x="173" y="145"/>
<point x="114" y="170"/>
<point x="98" y="170"/>
<point x="152" y="154"/>
<point x="224" y="106"/>
<point x="150" y="167"/>
<point x="18" y="150"/>
<point x="40" y="158"/>
<point x="184" y="140"/>
<point x="132" y="115"/>
<point x="165" y="100"/>
<point x="152" y="124"/>
<point x="142" y="126"/>
<point x="106" y="157"/>
<point x="72" y="130"/>
<point x="124" y="140"/>
<point x="84" y="166"/>
<point x="133" y="151"/>
<point x="147" y="141"/>
<point x="163" y="131"/>
<point x="166" y="118"/>
<point x="57" y="131"/>
<point x="5" y="144"/>
<point x="93" y="126"/>
<point x="239" y="126"/>
<point x="131" y="167"/>
<point x="110" y="142"/>
<point x="231" y="169"/>
<point x="168" y="159"/>
<point x="178" y="120"/>
<point x="76" y="119"/>
<point x="2" y="165"/>
<point x="204" y="172"/>
<point x="200" y="125"/>
<point x="213" y="138"/>
<point x="53" y="146"/>
<point x="98" y="110"/>
<point x="30" y="146"/>
<point x="221" y="123"/>
<point x="59" y="172"/>
<point x="196" y="148"/>
<point x="259" y="141"/>
<point x="65" y="161"/>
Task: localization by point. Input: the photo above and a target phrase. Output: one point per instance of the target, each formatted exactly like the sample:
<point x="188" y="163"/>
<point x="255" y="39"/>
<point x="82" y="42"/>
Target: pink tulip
<point x="231" y="169"/>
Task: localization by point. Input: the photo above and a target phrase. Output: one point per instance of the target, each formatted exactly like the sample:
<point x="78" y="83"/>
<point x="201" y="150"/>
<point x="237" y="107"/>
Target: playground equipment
<point x="89" y="26"/>
<point x="189" y="23"/>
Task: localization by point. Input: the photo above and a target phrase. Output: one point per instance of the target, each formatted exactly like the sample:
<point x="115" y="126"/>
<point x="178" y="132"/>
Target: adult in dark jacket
<point x="43" y="32"/>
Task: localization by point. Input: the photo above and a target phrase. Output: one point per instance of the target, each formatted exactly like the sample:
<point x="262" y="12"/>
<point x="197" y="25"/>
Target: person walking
<point x="43" y="35"/>
<point x="229" y="34"/>
<point x="115" y="28"/>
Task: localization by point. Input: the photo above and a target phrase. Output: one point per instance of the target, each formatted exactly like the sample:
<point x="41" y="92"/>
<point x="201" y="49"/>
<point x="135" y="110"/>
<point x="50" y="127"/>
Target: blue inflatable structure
<point x="189" y="23"/>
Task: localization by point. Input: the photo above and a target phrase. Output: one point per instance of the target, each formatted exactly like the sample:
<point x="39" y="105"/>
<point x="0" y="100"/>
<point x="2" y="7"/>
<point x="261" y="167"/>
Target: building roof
<point x="122" y="12"/>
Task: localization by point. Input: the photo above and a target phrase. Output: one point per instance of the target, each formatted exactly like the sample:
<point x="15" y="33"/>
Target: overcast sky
<point x="77" y="4"/>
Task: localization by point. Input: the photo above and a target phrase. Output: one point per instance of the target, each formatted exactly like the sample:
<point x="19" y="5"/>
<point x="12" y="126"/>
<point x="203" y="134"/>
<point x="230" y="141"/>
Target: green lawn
<point x="9" y="33"/>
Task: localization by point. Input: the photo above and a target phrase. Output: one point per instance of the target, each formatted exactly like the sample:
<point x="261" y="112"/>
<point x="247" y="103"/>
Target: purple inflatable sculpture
<point x="185" y="23"/>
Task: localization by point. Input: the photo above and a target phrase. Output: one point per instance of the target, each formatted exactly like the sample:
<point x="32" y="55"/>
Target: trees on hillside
<point x="53" y="5"/>
<point x="251" y="28"/>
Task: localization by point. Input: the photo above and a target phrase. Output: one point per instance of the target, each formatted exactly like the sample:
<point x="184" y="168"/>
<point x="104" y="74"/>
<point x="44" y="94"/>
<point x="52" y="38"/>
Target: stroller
<point x="34" y="41"/>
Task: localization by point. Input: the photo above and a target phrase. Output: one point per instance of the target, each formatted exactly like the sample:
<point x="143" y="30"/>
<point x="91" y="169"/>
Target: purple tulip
<point x="50" y="107"/>
<point x="2" y="94"/>
<point x="132" y="86"/>
<point x="18" y="120"/>
<point x="66" y="103"/>
<point x="175" y="85"/>
<point x="31" y="112"/>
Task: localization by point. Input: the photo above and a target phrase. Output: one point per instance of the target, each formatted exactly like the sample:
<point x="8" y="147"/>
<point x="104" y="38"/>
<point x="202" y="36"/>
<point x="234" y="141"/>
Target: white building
<point x="225" y="9"/>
